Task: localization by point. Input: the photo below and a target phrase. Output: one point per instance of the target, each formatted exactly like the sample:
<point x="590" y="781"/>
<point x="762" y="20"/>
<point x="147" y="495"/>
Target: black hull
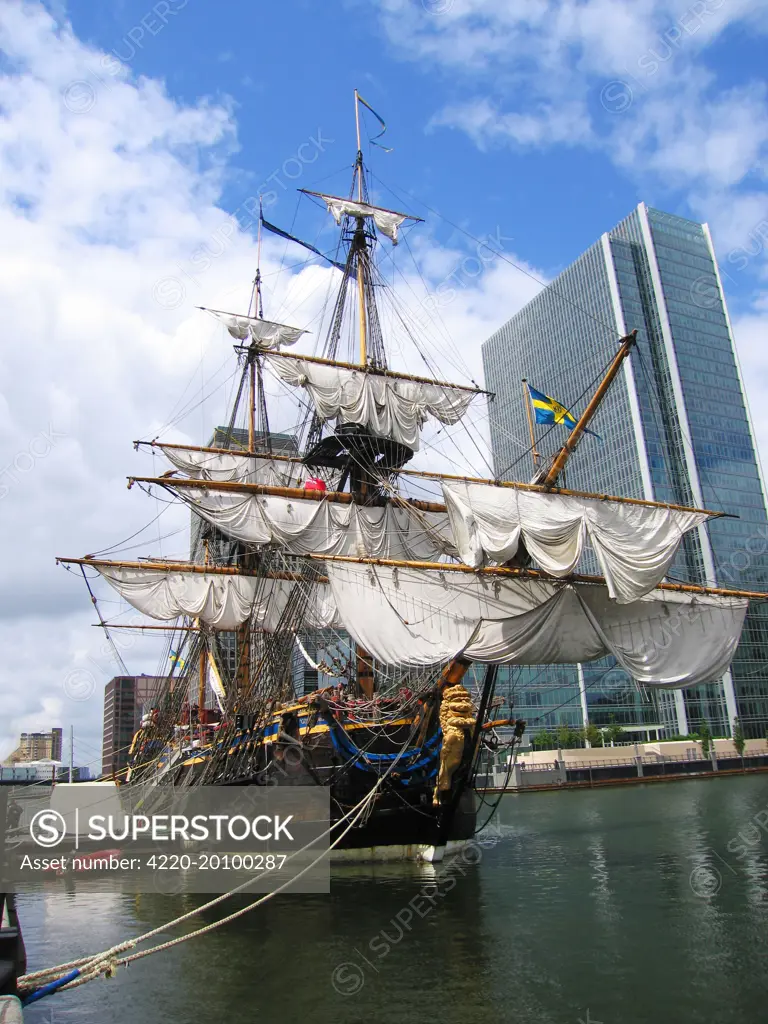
<point x="403" y="814"/>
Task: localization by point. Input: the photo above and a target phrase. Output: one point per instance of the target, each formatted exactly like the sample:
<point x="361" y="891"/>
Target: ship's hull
<point x="348" y="758"/>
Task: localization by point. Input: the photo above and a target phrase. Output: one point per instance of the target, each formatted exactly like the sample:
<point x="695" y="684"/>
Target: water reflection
<point x="575" y="901"/>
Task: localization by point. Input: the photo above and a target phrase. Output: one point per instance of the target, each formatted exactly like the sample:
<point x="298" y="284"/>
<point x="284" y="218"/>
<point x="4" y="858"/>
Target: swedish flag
<point x="175" y="659"/>
<point x="547" y="410"/>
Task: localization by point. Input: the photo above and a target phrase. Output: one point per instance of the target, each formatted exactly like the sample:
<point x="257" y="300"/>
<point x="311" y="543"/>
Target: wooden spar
<point x="343" y="199"/>
<point x="396" y="375"/>
<point x="338" y="497"/>
<point x="539" y="488"/>
<point x="427" y="475"/>
<point x="491" y="570"/>
<point x="167" y="629"/>
<point x="265" y="456"/>
<point x="534" y="574"/>
<point x="627" y="344"/>
<point x="192" y="567"/>
<point x="527" y="403"/>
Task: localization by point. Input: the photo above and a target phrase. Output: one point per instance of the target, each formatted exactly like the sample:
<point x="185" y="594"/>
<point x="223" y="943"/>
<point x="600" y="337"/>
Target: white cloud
<point x="634" y="81"/>
<point x="113" y="231"/>
<point x="630" y="80"/>
<point x="484" y="123"/>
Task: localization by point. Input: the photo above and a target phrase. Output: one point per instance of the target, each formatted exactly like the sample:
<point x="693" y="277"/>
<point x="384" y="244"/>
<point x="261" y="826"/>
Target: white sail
<point x="217" y="600"/>
<point x="387" y="221"/>
<point x="417" y="617"/>
<point x="634" y="544"/>
<point x="387" y="406"/>
<point x="264" y="333"/>
<point x="246" y="469"/>
<point x="213" y="681"/>
<point x="303" y="527"/>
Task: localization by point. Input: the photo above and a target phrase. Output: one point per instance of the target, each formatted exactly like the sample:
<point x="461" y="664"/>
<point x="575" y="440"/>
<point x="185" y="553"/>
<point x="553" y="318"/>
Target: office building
<point x="675" y="427"/>
<point x="205" y="538"/>
<point x="125" y="698"/>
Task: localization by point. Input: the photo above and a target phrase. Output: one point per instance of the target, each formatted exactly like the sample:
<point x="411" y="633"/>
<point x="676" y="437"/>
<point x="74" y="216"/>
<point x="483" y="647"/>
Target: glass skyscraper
<point x="674" y="427"/>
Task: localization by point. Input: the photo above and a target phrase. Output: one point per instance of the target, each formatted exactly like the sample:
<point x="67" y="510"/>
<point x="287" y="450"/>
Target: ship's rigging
<point x="327" y="549"/>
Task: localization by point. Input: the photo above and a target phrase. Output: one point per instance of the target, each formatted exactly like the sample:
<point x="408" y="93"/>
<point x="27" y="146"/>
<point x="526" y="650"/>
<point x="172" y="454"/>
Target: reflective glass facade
<point x="674" y="427"/>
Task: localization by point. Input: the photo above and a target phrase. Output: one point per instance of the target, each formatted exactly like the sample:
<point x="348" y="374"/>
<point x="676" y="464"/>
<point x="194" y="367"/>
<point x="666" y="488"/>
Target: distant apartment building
<point x="675" y="428"/>
<point x="125" y="697"/>
<point x="37" y="746"/>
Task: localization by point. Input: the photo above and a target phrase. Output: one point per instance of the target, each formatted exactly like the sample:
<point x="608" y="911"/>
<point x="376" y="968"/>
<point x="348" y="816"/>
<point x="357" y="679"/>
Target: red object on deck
<point x="314" y="483"/>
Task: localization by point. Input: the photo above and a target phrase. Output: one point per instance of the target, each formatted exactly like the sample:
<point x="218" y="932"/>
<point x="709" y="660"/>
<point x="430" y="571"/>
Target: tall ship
<point x="400" y="590"/>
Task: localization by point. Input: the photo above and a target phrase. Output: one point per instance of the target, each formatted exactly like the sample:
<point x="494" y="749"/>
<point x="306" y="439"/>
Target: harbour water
<point x="632" y="905"/>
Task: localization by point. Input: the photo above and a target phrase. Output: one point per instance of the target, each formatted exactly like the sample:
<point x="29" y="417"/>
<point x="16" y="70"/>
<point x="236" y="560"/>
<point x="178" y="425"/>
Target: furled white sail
<point x="222" y="601"/>
<point x="634" y="544"/>
<point x="266" y="334"/>
<point x="417" y="617"/>
<point x="387" y="406"/>
<point x="387" y="221"/>
<point x="247" y="469"/>
<point x="322" y="527"/>
<point x="217" y="600"/>
<point x="319" y="606"/>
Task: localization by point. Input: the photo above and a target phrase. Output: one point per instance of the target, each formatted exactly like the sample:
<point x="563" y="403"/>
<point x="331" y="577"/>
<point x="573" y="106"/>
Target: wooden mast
<point x="364" y="663"/>
<point x="627" y="344"/>
<point x="360" y="239"/>
<point x="203" y="648"/>
<point x="252" y="405"/>
<point x="527" y="403"/>
<point x="201" y="679"/>
<point x="256" y="303"/>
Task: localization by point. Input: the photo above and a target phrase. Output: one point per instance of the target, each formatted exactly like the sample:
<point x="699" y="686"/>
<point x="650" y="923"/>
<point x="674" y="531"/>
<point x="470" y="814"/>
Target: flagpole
<point x="627" y="344"/>
<point x="527" y="402"/>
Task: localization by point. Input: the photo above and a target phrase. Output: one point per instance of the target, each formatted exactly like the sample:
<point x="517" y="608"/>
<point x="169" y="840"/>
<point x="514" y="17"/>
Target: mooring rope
<point x="91" y="967"/>
<point x="54" y="979"/>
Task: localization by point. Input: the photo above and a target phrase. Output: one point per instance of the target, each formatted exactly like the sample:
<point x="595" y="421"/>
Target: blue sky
<point x="135" y="137"/>
<point x="427" y="65"/>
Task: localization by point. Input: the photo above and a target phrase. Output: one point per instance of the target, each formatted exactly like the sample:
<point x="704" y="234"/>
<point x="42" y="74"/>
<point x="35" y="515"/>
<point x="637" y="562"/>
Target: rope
<point x="104" y="963"/>
<point x="91" y="967"/>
